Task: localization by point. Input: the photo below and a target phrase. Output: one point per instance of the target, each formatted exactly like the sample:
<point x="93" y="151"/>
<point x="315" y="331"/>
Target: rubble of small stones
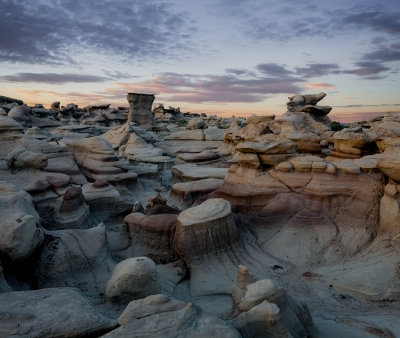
<point x="152" y="222"/>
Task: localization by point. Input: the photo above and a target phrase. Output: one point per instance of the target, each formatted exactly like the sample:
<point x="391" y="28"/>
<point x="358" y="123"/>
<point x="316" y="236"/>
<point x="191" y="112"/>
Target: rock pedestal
<point x="140" y="109"/>
<point x="205" y="230"/>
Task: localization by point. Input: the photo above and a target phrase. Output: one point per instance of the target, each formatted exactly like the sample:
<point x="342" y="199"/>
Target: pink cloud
<point x="320" y="85"/>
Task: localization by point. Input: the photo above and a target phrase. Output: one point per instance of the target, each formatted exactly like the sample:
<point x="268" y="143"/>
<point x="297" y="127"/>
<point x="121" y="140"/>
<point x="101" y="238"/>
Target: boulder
<point x="196" y="123"/>
<point x="263" y="309"/>
<point x="20" y="114"/>
<point x="133" y="278"/>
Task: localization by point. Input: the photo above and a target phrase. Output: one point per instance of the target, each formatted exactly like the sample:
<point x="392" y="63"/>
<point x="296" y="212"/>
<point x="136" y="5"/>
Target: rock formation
<point x="133" y="278"/>
<point x="150" y="214"/>
<point x="140" y="109"/>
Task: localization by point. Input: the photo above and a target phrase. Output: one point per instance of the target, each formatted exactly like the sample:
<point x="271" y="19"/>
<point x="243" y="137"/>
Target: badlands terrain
<point x="151" y="222"/>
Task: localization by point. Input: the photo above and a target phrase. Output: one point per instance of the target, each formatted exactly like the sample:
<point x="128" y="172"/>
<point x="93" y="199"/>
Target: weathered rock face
<point x="126" y="140"/>
<point x="352" y="143"/>
<point x="98" y="161"/>
<point x="205" y="230"/>
<point x="61" y="312"/>
<point x="133" y="278"/>
<point x="389" y="163"/>
<point x="263" y="309"/>
<point x="162" y="316"/>
<point x="104" y="200"/>
<point x="20" y="158"/>
<point x="140" y="109"/>
<point x="18" y="223"/>
<point x="265" y="154"/>
<point x="311" y="202"/>
<point x="75" y="258"/>
<point x="73" y="212"/>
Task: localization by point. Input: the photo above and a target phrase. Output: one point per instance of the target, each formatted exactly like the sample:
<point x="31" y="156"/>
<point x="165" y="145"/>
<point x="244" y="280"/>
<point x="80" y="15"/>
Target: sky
<point x="224" y="57"/>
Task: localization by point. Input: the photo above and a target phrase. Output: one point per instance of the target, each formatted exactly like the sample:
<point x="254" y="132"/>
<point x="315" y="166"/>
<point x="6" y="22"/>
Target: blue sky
<point x="221" y="56"/>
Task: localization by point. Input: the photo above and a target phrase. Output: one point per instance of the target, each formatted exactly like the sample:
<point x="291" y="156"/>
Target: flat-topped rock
<point x="153" y="231"/>
<point x="205" y="229"/>
<point x="254" y="119"/>
<point x="185" y="194"/>
<point x="205" y="155"/>
<point x="306" y="163"/>
<point x="192" y="172"/>
<point x="347" y="166"/>
<point x="212" y="209"/>
<point x="196" y="135"/>
<point x="273" y="147"/>
<point x="316" y="110"/>
<point x="140" y="109"/>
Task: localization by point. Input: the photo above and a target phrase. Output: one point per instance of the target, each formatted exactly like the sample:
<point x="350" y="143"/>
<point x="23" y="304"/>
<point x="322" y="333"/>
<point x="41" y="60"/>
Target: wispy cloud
<point x="376" y="20"/>
<point x="370" y="105"/>
<point x="52" y="78"/>
<point x="211" y="88"/>
<point x="367" y="69"/>
<point x="317" y="69"/>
